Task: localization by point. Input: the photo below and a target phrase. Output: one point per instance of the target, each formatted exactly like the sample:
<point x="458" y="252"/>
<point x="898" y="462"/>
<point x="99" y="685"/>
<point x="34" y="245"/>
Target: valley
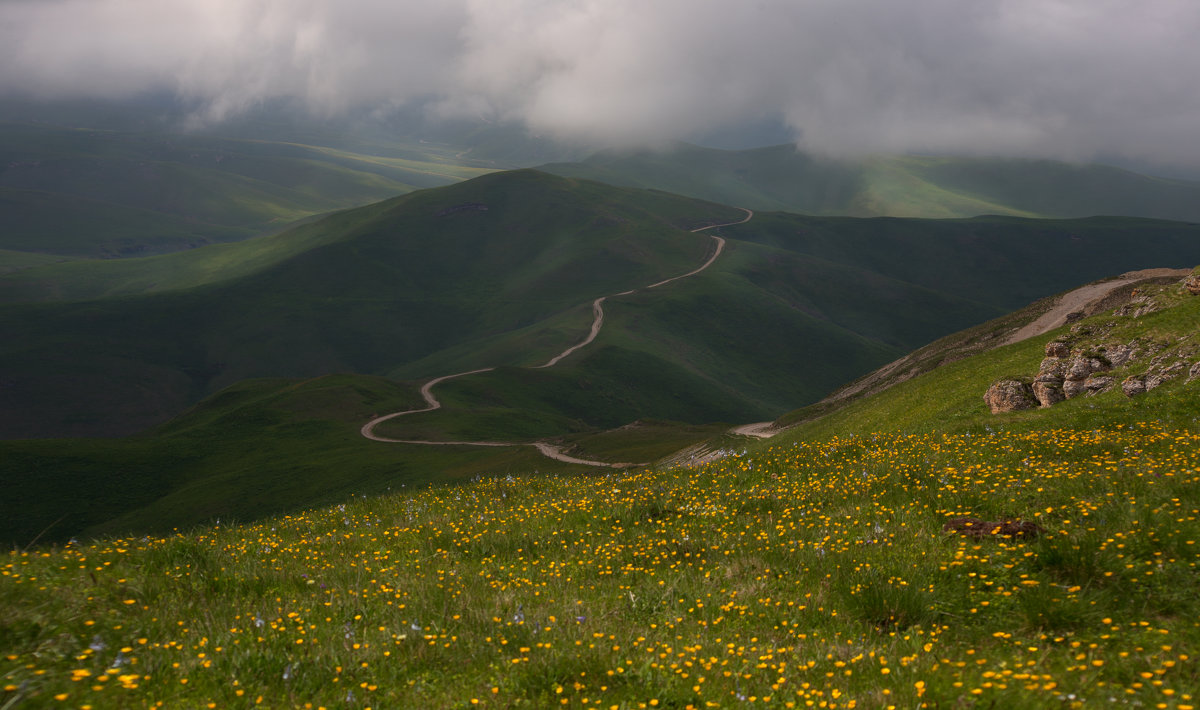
<point x="513" y="267"/>
<point x="598" y="355"/>
<point x="546" y="449"/>
<point x="820" y="566"/>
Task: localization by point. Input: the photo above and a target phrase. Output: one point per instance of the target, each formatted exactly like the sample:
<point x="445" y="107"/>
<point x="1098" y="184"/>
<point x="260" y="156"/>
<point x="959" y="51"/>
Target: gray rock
<point x="1048" y="391"/>
<point x="1099" y="383"/>
<point x="1194" y="372"/>
<point x="1079" y="367"/>
<point x="1133" y="385"/>
<point x="1057" y="349"/>
<point x="1053" y="367"/>
<point x="1009" y="396"/>
<point x="1073" y="388"/>
<point x="1120" y="355"/>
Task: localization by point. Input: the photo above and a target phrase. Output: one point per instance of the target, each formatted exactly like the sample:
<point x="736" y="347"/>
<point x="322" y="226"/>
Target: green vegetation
<point x="430" y="283"/>
<point x="811" y="569"/>
<point x="508" y="266"/>
<point x="365" y="291"/>
<point x="784" y="179"/>
<point x="256" y="448"/>
<point x="806" y="571"/>
<point x="117" y="193"/>
<point x="950" y="398"/>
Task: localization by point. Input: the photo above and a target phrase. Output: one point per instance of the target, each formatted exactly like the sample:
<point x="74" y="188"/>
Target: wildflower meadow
<point x="805" y="574"/>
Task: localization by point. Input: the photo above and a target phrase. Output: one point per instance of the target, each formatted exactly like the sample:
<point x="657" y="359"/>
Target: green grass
<point x="366" y="290"/>
<point x="808" y="569"/>
<point x="812" y="571"/>
<point x="795" y="307"/>
<point x="258" y="448"/>
<point x="17" y="260"/>
<point x="950" y="398"/>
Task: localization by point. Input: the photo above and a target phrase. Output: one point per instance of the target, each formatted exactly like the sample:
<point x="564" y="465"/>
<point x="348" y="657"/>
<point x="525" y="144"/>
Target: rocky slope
<point x="1094" y="357"/>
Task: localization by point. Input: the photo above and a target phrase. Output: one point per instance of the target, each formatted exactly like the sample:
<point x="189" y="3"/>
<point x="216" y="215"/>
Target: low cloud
<point x="1060" y="78"/>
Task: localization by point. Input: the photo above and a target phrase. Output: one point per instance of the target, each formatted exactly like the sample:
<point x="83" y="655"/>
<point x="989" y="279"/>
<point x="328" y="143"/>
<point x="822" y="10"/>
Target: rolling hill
<point x="910" y="549"/>
<point x="782" y="178"/>
<point x="91" y="192"/>
<point x="498" y="272"/>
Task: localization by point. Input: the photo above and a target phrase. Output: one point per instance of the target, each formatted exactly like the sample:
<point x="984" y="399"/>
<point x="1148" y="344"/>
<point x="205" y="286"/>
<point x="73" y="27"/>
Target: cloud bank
<point x="1060" y="78"/>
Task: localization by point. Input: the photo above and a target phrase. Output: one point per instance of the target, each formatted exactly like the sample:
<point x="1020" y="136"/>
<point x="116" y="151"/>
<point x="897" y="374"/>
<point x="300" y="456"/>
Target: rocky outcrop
<point x="1133" y="385"/>
<point x="1048" y="390"/>
<point x="1079" y="364"/>
<point x="1009" y="396"/>
<point x="1067" y="373"/>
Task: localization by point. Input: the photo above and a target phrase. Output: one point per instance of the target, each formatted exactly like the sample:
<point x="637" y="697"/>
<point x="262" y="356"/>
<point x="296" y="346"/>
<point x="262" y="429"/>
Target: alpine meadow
<point x="550" y="354"/>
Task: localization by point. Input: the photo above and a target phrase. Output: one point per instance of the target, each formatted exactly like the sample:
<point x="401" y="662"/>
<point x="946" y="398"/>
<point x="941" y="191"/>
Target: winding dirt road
<point x="1083" y="297"/>
<point x="547" y="449"/>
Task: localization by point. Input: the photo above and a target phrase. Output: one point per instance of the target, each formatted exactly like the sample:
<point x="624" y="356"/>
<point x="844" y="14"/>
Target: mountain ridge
<point x="782" y="178"/>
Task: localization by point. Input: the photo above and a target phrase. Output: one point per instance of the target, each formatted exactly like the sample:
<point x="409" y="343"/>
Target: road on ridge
<point x="548" y="450"/>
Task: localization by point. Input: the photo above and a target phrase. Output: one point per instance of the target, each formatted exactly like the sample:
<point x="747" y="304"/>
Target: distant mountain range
<point x="785" y="179"/>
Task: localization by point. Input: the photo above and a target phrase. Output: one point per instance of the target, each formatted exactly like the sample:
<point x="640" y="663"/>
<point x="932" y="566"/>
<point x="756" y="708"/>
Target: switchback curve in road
<point x="548" y="450"/>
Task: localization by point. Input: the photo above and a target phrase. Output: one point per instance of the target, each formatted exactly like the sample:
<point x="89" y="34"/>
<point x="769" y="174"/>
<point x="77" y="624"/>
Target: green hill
<point x="363" y="291"/>
<point x="785" y="179"/>
<point x="822" y="567"/>
<point x="115" y="193"/>
<point x="496" y="272"/>
<point x="949" y="395"/>
<point x="500" y="271"/>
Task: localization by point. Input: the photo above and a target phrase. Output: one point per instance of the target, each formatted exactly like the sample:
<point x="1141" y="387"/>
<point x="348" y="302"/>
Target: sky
<point x="1069" y="79"/>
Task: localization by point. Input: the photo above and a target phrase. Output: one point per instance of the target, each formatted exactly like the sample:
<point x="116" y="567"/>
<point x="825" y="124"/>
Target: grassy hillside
<point x="784" y="179"/>
<point x="433" y="283"/>
<point x="111" y="193"/>
<point x="362" y="291"/>
<point x="268" y="446"/>
<point x="950" y="397"/>
<point x="803" y="571"/>
<point x="257" y="448"/>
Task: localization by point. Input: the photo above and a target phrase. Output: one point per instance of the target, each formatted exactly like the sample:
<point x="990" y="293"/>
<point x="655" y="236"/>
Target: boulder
<point x="1120" y="355"/>
<point x="1057" y="349"/>
<point x="1079" y="367"/>
<point x="1048" y="390"/>
<point x="1099" y="383"/>
<point x="1009" y="396"/>
<point x="1192" y="284"/>
<point x="1133" y="385"/>
<point x="1194" y="372"/>
<point x="1073" y="388"/>
<point x="1053" y="367"/>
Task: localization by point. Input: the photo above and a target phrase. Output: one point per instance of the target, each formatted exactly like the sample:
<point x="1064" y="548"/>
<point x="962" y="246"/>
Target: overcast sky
<point x="1060" y="78"/>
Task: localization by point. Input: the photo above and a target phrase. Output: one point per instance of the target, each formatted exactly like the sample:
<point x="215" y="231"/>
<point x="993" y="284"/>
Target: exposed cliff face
<point x="1094" y="357"/>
